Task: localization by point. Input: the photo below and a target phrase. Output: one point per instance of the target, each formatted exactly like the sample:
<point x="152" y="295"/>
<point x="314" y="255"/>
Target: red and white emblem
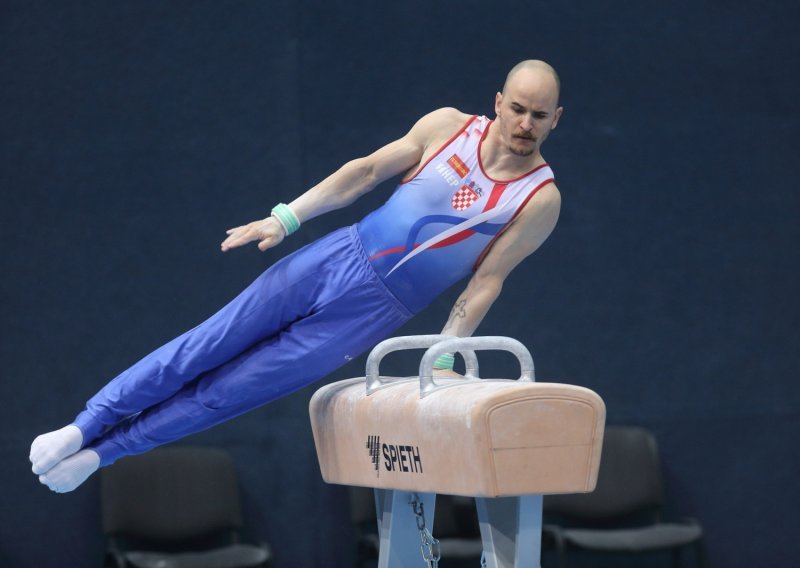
<point x="463" y="198"/>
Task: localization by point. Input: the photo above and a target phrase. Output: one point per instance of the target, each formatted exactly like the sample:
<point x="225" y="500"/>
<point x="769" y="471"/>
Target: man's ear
<point x="559" y="111"/>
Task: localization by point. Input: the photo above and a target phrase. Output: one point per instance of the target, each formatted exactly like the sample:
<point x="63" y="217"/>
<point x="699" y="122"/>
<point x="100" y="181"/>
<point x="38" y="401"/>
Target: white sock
<point x="70" y="472"/>
<point x="49" y="449"/>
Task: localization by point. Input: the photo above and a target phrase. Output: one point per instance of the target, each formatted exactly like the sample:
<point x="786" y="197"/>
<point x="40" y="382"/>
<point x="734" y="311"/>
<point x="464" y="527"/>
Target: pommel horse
<point x="505" y="442"/>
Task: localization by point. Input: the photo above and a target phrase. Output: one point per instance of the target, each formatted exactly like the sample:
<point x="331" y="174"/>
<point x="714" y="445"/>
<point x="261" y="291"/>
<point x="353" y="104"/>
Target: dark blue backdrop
<point x="135" y="133"/>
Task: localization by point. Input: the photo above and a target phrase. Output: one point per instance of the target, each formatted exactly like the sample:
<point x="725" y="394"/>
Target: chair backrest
<point x="362" y="505"/>
<point x="629" y="480"/>
<point x="171" y="494"/>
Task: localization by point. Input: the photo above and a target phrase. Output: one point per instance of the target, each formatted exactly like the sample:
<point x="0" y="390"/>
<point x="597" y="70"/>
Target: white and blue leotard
<point x="441" y="220"/>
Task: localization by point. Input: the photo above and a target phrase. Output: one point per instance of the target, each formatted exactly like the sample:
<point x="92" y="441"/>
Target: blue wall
<point x="135" y="133"/>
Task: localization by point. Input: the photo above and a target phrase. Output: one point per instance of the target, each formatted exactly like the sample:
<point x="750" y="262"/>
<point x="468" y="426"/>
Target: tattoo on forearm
<point x="459" y="310"/>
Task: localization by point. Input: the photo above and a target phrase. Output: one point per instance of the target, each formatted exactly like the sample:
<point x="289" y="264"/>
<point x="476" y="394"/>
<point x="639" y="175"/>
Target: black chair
<point x="623" y="515"/>
<point x="175" y="508"/>
<point x="455" y="525"/>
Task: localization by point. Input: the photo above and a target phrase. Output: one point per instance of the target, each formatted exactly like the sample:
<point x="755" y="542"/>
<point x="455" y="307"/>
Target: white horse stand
<point x="505" y="442"/>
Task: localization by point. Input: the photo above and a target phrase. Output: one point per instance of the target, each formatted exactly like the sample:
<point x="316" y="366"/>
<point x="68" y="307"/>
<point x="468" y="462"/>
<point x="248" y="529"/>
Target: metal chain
<point x="430" y="546"/>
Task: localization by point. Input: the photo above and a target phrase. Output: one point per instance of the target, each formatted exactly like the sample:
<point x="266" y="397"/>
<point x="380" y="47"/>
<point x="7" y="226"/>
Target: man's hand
<point x="268" y="232"/>
<point x="446" y="374"/>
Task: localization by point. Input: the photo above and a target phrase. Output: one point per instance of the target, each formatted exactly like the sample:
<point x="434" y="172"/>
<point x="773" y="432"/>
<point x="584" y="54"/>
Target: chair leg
<point x="700" y="551"/>
<point x="561" y="553"/>
<point x="676" y="557"/>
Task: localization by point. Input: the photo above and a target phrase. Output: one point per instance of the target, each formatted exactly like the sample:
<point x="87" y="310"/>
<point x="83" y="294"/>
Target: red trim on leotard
<point x="453" y="239"/>
<point x="439" y="151"/>
<point x="480" y="162"/>
<point x="497" y="193"/>
<point x="385" y="252"/>
<point x="485" y="251"/>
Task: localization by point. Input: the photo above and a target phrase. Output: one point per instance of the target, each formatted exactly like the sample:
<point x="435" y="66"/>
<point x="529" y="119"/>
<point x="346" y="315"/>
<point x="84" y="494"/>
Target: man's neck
<point x="500" y="162"/>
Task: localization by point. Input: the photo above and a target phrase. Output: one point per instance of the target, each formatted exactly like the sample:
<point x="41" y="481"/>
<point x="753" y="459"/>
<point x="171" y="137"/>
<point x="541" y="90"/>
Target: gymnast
<point x="477" y="198"/>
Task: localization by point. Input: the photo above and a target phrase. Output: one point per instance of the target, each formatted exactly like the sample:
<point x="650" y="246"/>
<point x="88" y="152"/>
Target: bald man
<point x="477" y="198"/>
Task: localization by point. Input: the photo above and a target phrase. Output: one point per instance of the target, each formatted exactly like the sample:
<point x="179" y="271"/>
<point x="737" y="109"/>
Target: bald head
<point x="527" y="109"/>
<point x="534" y="67"/>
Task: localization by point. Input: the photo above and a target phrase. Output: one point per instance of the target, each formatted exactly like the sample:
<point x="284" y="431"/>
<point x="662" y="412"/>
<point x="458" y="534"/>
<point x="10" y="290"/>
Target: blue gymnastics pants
<point x="304" y="317"/>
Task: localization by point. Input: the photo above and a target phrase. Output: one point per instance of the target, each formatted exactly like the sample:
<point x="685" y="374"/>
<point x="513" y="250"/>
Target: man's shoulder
<point x="546" y="199"/>
<point x="549" y="194"/>
<point x="446" y="118"/>
<point x="441" y="123"/>
<point x="451" y="114"/>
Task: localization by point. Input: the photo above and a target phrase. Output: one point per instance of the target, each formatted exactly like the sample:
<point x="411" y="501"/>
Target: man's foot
<point x="70" y="472"/>
<point x="49" y="449"/>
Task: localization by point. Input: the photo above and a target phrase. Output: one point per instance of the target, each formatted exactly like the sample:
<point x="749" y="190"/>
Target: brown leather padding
<point x="486" y="438"/>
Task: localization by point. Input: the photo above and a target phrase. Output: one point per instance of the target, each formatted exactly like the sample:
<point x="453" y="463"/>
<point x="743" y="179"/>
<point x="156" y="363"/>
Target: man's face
<point x="527" y="111"/>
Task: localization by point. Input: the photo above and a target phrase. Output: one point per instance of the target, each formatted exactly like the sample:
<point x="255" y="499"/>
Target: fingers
<point x="270" y="241"/>
<point x="266" y="231"/>
<point x="447" y="373"/>
<point x="238" y="236"/>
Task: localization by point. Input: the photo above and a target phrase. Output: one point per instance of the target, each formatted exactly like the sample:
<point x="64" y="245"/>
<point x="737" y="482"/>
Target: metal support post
<point x="511" y="531"/>
<point x="398" y="529"/>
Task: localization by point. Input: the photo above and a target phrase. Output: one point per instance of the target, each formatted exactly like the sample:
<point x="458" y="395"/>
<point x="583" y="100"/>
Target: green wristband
<point x="444" y="361"/>
<point x="286" y="218"/>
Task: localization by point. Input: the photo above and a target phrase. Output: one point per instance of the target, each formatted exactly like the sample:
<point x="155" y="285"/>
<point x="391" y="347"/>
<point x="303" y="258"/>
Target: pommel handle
<point x="470" y="345"/>
<point x="374" y="380"/>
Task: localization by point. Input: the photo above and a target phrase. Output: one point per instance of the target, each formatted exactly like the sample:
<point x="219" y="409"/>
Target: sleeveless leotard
<point x="441" y="221"/>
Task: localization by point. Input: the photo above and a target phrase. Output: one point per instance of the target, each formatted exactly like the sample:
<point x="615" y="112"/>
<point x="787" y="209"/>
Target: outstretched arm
<point x="526" y="234"/>
<point x="353" y="179"/>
